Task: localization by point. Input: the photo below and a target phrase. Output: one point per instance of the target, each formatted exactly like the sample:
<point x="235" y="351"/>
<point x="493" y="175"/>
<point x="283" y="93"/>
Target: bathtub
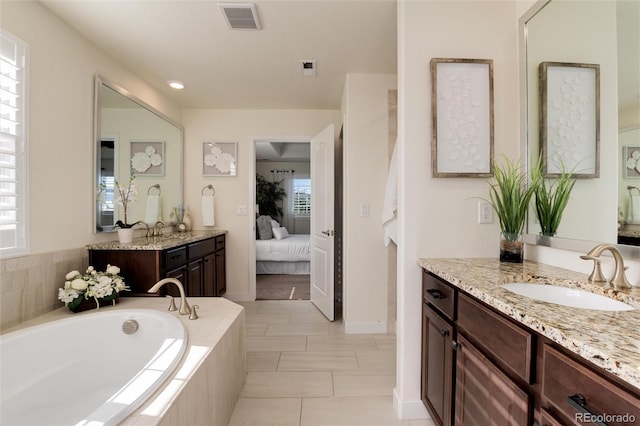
<point x="86" y="370"/>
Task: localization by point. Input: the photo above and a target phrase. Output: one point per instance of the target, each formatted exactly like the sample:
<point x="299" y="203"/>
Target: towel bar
<point x="157" y="186"/>
<point x="213" y="191"/>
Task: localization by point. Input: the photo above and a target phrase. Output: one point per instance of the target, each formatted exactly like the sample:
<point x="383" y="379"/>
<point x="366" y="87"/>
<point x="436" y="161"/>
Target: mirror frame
<point x="99" y="82"/>
<point x="630" y="252"/>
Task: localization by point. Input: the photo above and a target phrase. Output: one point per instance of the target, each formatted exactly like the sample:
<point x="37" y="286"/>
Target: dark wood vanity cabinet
<point x="480" y="367"/>
<point x="199" y="266"/>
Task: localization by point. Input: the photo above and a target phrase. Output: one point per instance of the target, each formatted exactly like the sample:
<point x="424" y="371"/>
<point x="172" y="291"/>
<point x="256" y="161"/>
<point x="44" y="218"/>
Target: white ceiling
<point x="190" y="41"/>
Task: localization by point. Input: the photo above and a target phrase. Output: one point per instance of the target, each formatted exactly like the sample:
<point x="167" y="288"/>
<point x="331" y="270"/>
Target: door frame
<point x="252" y="199"/>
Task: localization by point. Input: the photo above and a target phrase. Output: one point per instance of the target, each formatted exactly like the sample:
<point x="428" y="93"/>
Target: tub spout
<point x="185" y="309"/>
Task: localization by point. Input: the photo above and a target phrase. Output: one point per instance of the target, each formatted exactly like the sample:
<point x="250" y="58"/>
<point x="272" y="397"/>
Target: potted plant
<point x="92" y="289"/>
<point x="268" y="197"/>
<point x="551" y="197"/>
<point x="510" y="196"/>
<point x="126" y="195"/>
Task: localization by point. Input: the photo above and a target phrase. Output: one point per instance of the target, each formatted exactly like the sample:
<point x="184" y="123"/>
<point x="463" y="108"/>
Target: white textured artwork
<point x="147" y="158"/>
<point x="463" y="118"/>
<point x="571" y="108"/>
<point x="219" y="158"/>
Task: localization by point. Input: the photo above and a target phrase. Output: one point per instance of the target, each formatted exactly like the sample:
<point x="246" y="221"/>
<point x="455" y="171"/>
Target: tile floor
<point x="303" y="370"/>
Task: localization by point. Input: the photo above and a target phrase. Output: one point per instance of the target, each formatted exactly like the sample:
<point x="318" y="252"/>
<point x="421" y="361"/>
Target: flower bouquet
<point x="102" y="287"/>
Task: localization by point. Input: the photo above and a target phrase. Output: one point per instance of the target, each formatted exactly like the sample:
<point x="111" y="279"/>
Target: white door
<point x="322" y="193"/>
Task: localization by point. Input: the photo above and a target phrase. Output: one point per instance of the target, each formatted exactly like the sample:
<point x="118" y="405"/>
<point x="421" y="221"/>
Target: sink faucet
<point x="157" y="228"/>
<point x="619" y="279"/>
<point x="185" y="309"/>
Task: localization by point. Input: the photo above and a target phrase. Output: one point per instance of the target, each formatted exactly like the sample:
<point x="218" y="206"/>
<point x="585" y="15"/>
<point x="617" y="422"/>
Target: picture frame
<point x="147" y="158"/>
<point x="570" y="118"/>
<point x="462" y="117"/>
<point x="219" y="158"/>
<point x="631" y="162"/>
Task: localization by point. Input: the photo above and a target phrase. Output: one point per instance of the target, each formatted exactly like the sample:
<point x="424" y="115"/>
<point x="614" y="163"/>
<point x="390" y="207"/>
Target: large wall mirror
<point x="590" y="32"/>
<point x="134" y="139"/>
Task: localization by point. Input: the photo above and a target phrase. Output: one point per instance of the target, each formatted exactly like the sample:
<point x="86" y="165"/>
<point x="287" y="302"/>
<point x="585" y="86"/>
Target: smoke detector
<point x="308" y="68"/>
<point x="241" y="15"/>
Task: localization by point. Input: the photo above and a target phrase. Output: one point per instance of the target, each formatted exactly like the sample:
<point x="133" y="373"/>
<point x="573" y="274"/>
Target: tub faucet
<point x="185" y="309"/>
<point x="619" y="279"/>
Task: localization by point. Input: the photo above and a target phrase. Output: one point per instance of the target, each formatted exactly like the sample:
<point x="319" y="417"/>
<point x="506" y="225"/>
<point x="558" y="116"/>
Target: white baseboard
<point x="409" y="410"/>
<point x="365" y="327"/>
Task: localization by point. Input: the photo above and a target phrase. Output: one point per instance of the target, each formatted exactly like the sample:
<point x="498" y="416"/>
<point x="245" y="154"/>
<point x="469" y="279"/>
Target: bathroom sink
<point x="573" y="297"/>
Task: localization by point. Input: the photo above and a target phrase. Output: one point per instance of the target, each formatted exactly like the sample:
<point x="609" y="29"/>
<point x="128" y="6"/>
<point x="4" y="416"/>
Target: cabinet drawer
<point x="438" y="294"/>
<point x="201" y="249"/>
<point x="219" y="242"/>
<point x="563" y="377"/>
<point x="506" y="342"/>
<point x="175" y="257"/>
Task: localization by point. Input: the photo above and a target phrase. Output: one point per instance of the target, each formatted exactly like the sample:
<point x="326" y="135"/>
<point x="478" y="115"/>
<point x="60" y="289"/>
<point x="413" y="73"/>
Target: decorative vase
<point x="125" y="235"/>
<point x="511" y="247"/>
<point x="88" y="304"/>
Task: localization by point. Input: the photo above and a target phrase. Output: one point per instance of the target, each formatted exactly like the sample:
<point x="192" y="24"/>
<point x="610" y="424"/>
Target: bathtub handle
<point x="172" y="304"/>
<point x="193" y="315"/>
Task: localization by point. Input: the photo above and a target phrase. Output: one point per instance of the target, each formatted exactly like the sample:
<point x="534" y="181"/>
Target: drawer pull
<point x="579" y="402"/>
<point x="457" y="346"/>
<point x="444" y="333"/>
<point x="437" y="294"/>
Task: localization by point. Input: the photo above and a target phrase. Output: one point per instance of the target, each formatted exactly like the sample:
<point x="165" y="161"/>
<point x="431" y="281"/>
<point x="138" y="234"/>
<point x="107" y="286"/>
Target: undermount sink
<point x="566" y="296"/>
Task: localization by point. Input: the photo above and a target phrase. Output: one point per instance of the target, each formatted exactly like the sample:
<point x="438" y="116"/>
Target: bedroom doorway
<point x="283" y="217"/>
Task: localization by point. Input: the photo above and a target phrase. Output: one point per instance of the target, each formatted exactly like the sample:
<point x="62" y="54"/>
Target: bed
<point x="290" y="255"/>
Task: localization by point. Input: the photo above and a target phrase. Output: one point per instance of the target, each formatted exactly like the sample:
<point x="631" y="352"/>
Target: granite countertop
<point x="162" y="242"/>
<point x="610" y="340"/>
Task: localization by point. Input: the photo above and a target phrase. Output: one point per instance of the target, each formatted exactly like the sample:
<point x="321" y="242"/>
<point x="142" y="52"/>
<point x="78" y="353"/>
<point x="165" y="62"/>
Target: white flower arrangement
<point x="94" y="284"/>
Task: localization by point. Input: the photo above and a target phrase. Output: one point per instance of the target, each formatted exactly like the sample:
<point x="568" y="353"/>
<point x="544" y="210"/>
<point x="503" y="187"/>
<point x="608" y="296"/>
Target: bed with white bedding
<point x="290" y="255"/>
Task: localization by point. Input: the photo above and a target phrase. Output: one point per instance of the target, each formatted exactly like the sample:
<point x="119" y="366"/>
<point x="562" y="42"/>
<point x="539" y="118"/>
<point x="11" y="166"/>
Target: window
<point x="302" y="196"/>
<point x="13" y="145"/>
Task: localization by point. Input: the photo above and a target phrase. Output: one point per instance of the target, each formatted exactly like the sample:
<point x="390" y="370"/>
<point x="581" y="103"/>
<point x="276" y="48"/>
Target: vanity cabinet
<point x="198" y="265"/>
<point x="505" y="373"/>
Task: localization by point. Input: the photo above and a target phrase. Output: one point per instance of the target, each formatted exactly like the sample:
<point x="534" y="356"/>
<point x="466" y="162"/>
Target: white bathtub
<point x="85" y="370"/>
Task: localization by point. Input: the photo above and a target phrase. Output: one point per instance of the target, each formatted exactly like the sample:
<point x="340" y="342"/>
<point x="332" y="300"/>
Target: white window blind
<point x="13" y="145"/>
<point x="302" y="195"/>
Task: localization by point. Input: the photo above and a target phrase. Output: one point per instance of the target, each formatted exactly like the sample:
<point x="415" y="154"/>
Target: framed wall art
<point x="147" y="158"/>
<point x="570" y="118"/>
<point x="631" y="161"/>
<point x="462" y="117"/>
<point x="219" y="158"/>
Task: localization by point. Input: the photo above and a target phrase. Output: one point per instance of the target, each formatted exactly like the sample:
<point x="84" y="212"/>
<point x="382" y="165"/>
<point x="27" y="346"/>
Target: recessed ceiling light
<point x="174" y="84"/>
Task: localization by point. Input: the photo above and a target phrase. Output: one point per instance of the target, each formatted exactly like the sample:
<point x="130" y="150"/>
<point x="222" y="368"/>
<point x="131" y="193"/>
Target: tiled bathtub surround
<point x="204" y="387"/>
<point x="29" y="284"/>
<point x="610" y="340"/>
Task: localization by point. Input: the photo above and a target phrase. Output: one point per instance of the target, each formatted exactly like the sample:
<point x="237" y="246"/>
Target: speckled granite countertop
<point x="162" y="242"/>
<point x="610" y="340"/>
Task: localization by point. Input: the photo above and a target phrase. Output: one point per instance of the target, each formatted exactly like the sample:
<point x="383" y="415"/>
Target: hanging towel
<point x="208" y="213"/>
<point x="635" y="209"/>
<point x="153" y="212"/>
<point x="390" y="207"/>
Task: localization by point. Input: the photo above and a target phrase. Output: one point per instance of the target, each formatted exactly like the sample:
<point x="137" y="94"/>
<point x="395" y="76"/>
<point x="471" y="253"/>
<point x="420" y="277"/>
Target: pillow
<point x="280" y="233"/>
<point x="263" y="224"/>
<point x="274" y="224"/>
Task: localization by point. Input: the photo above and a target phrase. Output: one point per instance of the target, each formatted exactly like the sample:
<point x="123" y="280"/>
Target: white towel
<point x="208" y="211"/>
<point x="390" y="207"/>
<point x="153" y="212"/>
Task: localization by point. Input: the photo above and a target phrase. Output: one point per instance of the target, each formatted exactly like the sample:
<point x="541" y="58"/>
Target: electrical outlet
<point x="485" y="213"/>
<point x="241" y="210"/>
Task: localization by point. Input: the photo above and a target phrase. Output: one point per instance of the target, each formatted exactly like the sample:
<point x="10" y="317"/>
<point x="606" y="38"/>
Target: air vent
<point x="242" y="16"/>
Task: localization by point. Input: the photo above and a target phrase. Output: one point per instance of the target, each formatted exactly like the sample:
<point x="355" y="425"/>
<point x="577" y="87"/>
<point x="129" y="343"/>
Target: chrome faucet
<point x="185" y="309"/>
<point x="157" y="228"/>
<point x="619" y="279"/>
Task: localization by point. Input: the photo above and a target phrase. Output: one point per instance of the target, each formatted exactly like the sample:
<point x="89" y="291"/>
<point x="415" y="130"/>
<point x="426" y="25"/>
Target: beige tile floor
<point x="303" y="370"/>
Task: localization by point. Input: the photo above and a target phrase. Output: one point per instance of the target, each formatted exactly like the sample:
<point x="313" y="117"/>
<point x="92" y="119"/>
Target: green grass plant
<point x="551" y="197"/>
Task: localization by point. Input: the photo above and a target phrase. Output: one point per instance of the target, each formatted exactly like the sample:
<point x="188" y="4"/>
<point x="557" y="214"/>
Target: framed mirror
<point x="132" y="139"/>
<point x="594" y="33"/>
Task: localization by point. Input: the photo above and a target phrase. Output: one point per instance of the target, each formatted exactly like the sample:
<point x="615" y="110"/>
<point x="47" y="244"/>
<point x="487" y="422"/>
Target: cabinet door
<point x="181" y="275"/>
<point x="194" y="281"/>
<point x="209" y="275"/>
<point x="484" y="395"/>
<point x="221" y="273"/>
<point x="437" y="365"/>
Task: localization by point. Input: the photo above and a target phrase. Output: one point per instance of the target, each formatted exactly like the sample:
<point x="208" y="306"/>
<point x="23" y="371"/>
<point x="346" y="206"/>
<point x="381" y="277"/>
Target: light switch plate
<point x="241" y="210"/>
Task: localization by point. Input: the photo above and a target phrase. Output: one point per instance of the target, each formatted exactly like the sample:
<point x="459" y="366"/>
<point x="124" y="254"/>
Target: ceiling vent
<point x="243" y="16"/>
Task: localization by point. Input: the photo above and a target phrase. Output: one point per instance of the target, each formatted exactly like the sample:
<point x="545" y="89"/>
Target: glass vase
<point x="511" y="247"/>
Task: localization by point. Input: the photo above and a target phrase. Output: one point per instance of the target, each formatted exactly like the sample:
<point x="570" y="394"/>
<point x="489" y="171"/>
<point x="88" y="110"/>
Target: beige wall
<point x="366" y="159"/>
<point x="438" y="216"/>
<point x="243" y="126"/>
